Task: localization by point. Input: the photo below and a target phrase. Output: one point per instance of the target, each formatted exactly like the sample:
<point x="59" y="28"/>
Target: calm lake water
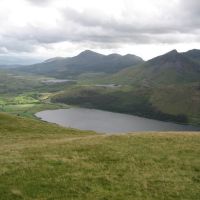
<point x="108" y="85"/>
<point x="107" y="122"/>
<point x="57" y="80"/>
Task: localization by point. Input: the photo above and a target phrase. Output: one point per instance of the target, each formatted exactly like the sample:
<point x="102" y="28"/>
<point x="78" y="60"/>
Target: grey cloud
<point x="8" y="44"/>
<point x="190" y="14"/>
<point x="136" y="31"/>
<point x="3" y="50"/>
<point x="192" y="6"/>
<point x="96" y="29"/>
<point x="12" y="59"/>
<point x="39" y="2"/>
<point x="88" y="26"/>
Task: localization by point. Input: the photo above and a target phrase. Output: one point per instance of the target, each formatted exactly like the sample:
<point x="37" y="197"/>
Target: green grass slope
<point x="178" y="99"/>
<point x="43" y="161"/>
<point x="13" y="126"/>
<point x="14" y="83"/>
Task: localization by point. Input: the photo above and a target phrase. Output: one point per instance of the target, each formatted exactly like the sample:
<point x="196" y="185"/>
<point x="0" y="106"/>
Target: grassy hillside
<point x="149" y="76"/>
<point x="12" y="127"/>
<point x="178" y="99"/>
<point x="14" y="83"/>
<point x="18" y="83"/>
<point x="43" y="161"/>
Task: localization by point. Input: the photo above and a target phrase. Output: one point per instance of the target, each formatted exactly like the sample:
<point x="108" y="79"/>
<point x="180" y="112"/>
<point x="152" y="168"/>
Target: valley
<point x="153" y="160"/>
<point x="99" y="100"/>
<point x="147" y="89"/>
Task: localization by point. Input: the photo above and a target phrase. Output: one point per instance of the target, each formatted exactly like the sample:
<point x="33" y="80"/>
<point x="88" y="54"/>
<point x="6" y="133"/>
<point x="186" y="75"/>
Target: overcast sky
<point x="33" y="30"/>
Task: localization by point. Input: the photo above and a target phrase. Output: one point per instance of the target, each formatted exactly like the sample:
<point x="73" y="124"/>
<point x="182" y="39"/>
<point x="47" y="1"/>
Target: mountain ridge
<point x="85" y="62"/>
<point x="193" y="54"/>
<point x="169" y="68"/>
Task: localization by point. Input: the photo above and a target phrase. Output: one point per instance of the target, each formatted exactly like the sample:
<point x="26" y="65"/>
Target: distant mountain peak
<point x="193" y="54"/>
<point x="173" y="52"/>
<point x="114" y="54"/>
<point x="169" y="59"/>
<point x="168" y="69"/>
<point x="129" y="54"/>
<point x="89" y="53"/>
<point x="53" y="59"/>
<point x="193" y="50"/>
<point x="85" y="62"/>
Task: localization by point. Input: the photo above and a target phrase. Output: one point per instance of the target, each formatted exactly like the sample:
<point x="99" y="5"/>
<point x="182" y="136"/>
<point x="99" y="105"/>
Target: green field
<point x="43" y="161"/>
<point x="27" y="104"/>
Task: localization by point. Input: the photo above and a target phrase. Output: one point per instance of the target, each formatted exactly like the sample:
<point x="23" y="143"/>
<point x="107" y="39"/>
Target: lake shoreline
<point x="98" y="120"/>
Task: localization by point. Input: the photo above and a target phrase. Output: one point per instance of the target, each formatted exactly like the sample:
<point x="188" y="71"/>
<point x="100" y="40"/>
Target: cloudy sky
<point x="34" y="30"/>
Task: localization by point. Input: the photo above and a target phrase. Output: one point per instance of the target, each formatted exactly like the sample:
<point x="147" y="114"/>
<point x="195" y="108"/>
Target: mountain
<point x="53" y="59"/>
<point x="86" y="62"/>
<point x="193" y="54"/>
<point x="170" y="68"/>
<point x="166" y="87"/>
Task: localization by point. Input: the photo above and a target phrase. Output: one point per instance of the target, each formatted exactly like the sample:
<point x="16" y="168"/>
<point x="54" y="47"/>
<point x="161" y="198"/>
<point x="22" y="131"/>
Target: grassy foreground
<point x="43" y="161"/>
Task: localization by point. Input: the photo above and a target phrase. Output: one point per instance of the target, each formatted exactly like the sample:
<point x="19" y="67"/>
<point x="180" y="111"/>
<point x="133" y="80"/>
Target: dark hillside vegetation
<point x="176" y="99"/>
<point x="132" y="101"/>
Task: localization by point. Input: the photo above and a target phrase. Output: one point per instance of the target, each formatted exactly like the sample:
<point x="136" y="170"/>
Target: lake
<point x="57" y="80"/>
<point x="108" y="122"/>
<point x="108" y="85"/>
